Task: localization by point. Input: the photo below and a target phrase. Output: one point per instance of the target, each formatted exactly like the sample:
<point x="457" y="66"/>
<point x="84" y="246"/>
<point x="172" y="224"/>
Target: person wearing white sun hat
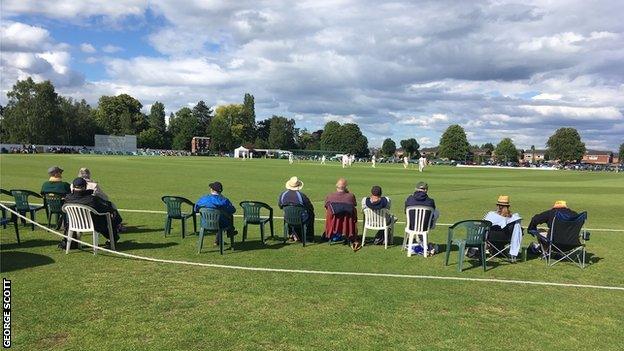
<point x="293" y="196"/>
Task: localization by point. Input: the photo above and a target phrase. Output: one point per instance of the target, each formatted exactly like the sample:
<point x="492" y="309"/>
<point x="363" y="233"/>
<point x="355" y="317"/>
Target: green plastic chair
<point x="475" y="234"/>
<point x="252" y="215"/>
<point x="5" y="219"/>
<point x="54" y="206"/>
<point x="293" y="218"/>
<point x="174" y="211"/>
<point x="22" y="206"/>
<point x="209" y="223"/>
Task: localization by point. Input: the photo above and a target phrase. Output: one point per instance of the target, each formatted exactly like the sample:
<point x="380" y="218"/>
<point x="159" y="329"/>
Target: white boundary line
<point x="336" y="273"/>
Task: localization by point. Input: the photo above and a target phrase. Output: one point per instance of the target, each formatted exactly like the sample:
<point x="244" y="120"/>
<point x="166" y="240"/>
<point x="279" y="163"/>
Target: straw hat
<point x="294" y="184"/>
<point x="560" y="204"/>
<point x="503" y="200"/>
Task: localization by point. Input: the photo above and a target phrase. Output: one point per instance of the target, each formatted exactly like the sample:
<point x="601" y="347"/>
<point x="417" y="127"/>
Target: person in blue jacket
<point x="215" y="200"/>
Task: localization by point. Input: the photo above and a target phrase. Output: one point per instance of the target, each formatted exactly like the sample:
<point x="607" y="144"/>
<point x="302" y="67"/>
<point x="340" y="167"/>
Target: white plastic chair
<point x="423" y="218"/>
<point x="376" y="220"/>
<point x="79" y="221"/>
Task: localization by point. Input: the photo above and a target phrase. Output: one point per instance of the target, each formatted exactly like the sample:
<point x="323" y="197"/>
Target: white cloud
<point x="576" y="112"/>
<point x="111" y="49"/>
<point x="18" y="36"/>
<point x="67" y="9"/>
<point x="87" y="48"/>
<point x="547" y="96"/>
<point x="425" y="121"/>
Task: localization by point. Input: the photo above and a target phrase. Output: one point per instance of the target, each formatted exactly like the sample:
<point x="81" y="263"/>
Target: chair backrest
<point x="251" y="210"/>
<point x="566" y="230"/>
<point x="79" y="217"/>
<point x="293" y="215"/>
<point x="21" y="198"/>
<point x="498" y="234"/>
<point x="209" y="218"/>
<point x="475" y="231"/>
<point x="375" y="219"/>
<point x="5" y="192"/>
<point x="53" y="201"/>
<point x="174" y="205"/>
<point x="419" y="218"/>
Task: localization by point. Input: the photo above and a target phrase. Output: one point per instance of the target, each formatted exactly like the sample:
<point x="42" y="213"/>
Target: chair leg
<point x="244" y="231"/>
<point x="404" y="241"/>
<point x="410" y="242"/>
<point x="183" y="227"/>
<point x="262" y="232"/>
<point x="448" y="253"/>
<point x="483" y="261"/>
<point x="32" y="217"/>
<point x="220" y="234"/>
<point x="460" y="261"/>
<point x="271" y="227"/>
<point x="167" y="225"/>
<point x="194" y="224"/>
<point x="364" y="236"/>
<point x="386" y="238"/>
<point x="232" y="242"/>
<point x="16" y="229"/>
<point x="285" y="232"/>
<point x="49" y="217"/>
<point x="200" y="240"/>
<point x="69" y="240"/>
<point x="304" y="229"/>
<point x="424" y="244"/>
<point x="96" y="239"/>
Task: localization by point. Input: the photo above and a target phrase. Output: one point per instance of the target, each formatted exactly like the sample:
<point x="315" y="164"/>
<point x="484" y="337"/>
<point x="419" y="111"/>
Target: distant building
<point x="597" y="157"/>
<point x="429" y="152"/>
<point x="540" y="155"/>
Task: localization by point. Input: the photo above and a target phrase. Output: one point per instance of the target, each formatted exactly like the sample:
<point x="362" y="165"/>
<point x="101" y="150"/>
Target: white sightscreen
<point x="126" y="143"/>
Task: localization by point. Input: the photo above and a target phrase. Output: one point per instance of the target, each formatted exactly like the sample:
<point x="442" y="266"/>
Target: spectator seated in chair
<point x="501" y="219"/>
<point x="85" y="174"/>
<point x="547" y="218"/>
<point x="215" y="200"/>
<point x="83" y="196"/>
<point x="376" y="202"/>
<point x="341" y="215"/>
<point x="55" y="183"/>
<point x="421" y="198"/>
<point x="293" y="196"/>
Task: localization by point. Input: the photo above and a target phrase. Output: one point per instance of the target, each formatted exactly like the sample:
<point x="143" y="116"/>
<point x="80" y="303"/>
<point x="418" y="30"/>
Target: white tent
<point x="241" y="152"/>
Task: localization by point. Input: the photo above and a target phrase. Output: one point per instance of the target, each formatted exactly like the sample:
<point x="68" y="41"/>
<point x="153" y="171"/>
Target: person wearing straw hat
<point x="547" y="217"/>
<point x="293" y="196"/>
<point x="503" y="217"/>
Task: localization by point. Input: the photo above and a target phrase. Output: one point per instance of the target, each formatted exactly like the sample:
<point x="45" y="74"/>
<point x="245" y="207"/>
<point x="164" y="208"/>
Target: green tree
<point x="151" y="138"/>
<point x="309" y="141"/>
<point x="78" y="126"/>
<point x="565" y="145"/>
<point x="156" y="117"/>
<point x="388" y="148"/>
<point x="353" y="141"/>
<point x="453" y="143"/>
<point x="506" y="151"/>
<point x="532" y="153"/>
<point x="330" y="139"/>
<point x="248" y="119"/>
<point x="203" y="113"/>
<point x="120" y="115"/>
<point x="489" y="147"/>
<point x="282" y="133"/>
<point x="411" y="146"/>
<point x="231" y="115"/>
<point x="621" y="154"/>
<point x="183" y="128"/>
<point x="32" y="113"/>
<point x="220" y="133"/>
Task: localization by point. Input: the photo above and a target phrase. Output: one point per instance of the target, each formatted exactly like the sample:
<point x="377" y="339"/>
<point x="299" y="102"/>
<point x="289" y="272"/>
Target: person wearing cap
<point x="421" y="198"/>
<point x="83" y="196"/>
<point x="85" y="174"/>
<point x="341" y="215"/>
<point x="503" y="217"/>
<point x="376" y="202"/>
<point x="215" y="200"/>
<point x="547" y="218"/>
<point x="293" y="196"/>
<point x="55" y="183"/>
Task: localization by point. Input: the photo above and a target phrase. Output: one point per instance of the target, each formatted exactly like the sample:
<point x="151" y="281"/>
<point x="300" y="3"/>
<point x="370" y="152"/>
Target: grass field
<point x="82" y="302"/>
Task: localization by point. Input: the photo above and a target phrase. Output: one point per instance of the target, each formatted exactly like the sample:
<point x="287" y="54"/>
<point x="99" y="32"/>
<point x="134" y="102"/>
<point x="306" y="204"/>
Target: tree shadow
<point x="140" y="229"/>
<point x="29" y="244"/>
<point x="130" y="245"/>
<point x="16" y="260"/>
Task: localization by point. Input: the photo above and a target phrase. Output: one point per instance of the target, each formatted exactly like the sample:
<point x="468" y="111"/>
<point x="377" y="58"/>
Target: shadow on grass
<point x="133" y="245"/>
<point x="140" y="229"/>
<point x="16" y="260"/>
<point x="29" y="244"/>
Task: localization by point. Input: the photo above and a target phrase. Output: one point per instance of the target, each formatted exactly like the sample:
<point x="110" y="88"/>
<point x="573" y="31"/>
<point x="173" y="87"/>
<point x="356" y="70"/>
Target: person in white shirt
<point x="501" y="218"/>
<point x="345" y="160"/>
<point x="422" y="162"/>
<point x="374" y="160"/>
<point x="405" y="162"/>
<point x="290" y="159"/>
<point x="323" y="160"/>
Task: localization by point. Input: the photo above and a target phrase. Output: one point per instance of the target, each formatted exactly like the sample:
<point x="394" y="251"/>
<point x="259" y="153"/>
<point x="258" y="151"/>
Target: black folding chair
<point x="566" y="239"/>
<point x="498" y="241"/>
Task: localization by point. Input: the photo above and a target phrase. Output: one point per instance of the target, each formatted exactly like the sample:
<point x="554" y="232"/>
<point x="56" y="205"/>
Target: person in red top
<point x="341" y="215"/>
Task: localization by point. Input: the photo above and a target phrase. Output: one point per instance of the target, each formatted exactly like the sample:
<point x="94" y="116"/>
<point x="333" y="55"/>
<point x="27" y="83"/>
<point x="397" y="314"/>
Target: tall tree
<point x="248" y="119"/>
<point x="309" y="141"/>
<point x="32" y="114"/>
<point x="220" y="133"/>
<point x="120" y="115"/>
<point x="506" y="151"/>
<point x="453" y="143"/>
<point x="330" y="139"/>
<point x="232" y="116"/>
<point x="353" y="141"/>
<point x="489" y="147"/>
<point x="79" y="127"/>
<point x="410" y="147"/>
<point x="388" y="148"/>
<point x="156" y="117"/>
<point x="282" y="133"/>
<point x="565" y="145"/>
<point x="183" y="127"/>
<point x="532" y="153"/>
<point x="203" y="113"/>
<point x="152" y="138"/>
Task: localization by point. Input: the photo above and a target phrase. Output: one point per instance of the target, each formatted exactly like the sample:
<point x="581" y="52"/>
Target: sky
<point x="399" y="69"/>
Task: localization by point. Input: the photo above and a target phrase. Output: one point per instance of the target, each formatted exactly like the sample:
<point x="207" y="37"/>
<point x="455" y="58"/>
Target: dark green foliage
<point x="346" y="138"/>
<point x="388" y="148"/>
<point x="156" y="117"/>
<point x="183" y="127"/>
<point x="203" y="114"/>
<point x="506" y="151"/>
<point x="120" y="115"/>
<point x="411" y="146"/>
<point x="621" y="154"/>
<point x="566" y="145"/>
<point x="281" y="133"/>
<point x="453" y="143"/>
